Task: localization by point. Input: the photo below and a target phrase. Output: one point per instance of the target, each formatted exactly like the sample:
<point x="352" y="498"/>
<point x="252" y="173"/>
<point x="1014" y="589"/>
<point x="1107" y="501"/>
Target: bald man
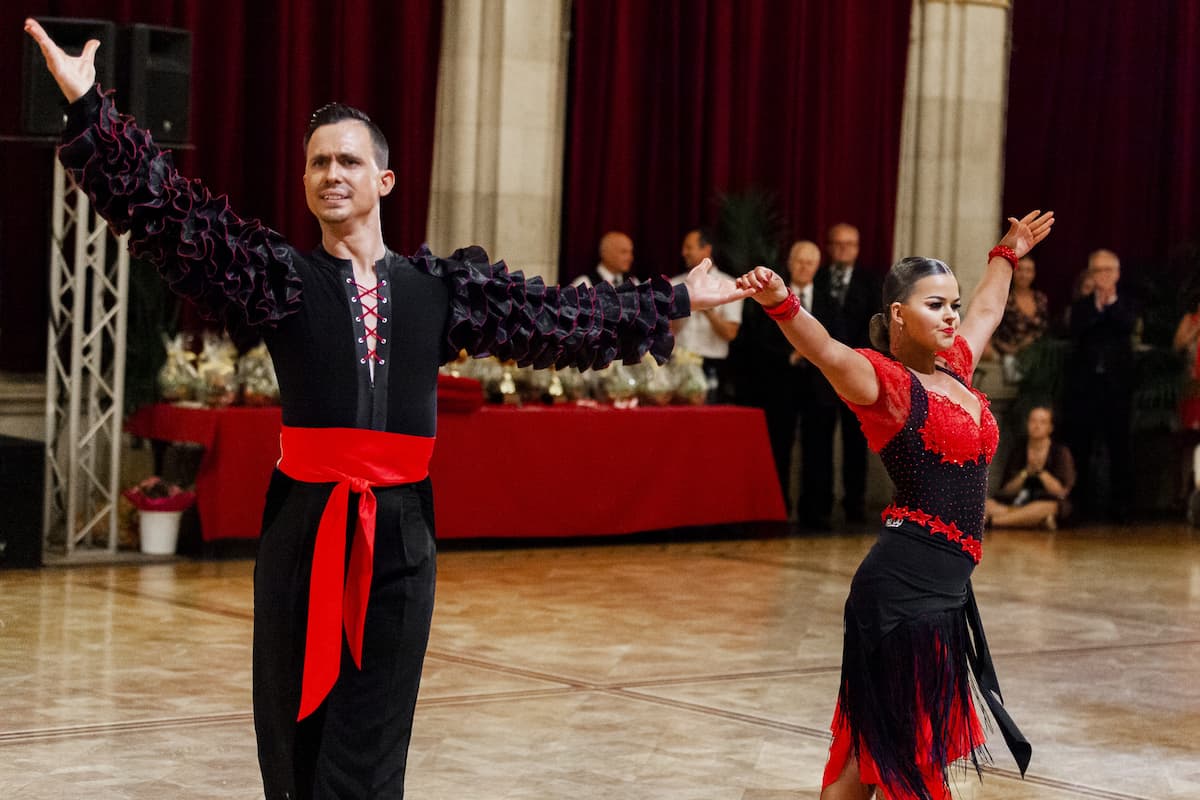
<point x="845" y="297"/>
<point x="1099" y="391"/>
<point x="616" y="259"/>
<point x="774" y="378"/>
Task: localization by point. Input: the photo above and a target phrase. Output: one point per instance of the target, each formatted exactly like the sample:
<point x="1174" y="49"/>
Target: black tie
<point x="837" y="284"/>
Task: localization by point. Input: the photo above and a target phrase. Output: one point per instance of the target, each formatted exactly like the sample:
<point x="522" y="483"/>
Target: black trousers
<point x="356" y="744"/>
<point x="1100" y="408"/>
<point x="817" y="430"/>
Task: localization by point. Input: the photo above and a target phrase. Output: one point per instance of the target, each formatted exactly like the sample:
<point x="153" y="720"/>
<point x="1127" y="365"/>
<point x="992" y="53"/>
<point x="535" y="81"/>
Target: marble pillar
<point x="501" y="112"/>
<point x="952" y="140"/>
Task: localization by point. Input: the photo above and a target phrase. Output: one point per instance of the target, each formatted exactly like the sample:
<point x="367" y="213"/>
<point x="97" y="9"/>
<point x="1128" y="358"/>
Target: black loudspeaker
<point x="43" y="107"/>
<point x="22" y="470"/>
<point x="156" y="84"/>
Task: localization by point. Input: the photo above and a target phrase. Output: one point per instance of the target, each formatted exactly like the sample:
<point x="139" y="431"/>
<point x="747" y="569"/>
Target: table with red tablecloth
<point x="503" y="471"/>
<point x="241" y="448"/>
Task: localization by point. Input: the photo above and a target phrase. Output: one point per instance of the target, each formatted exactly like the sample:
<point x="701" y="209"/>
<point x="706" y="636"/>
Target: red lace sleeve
<point x="884" y="418"/>
<point x="959" y="359"/>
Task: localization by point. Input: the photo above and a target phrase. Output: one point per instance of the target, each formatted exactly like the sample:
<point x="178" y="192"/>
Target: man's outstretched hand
<point x="75" y="75"/>
<point x="708" y="291"/>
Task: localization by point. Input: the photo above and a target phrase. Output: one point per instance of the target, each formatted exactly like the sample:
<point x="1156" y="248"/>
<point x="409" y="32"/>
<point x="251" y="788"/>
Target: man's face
<point x="616" y="253"/>
<point x="693" y="252"/>
<point x="802" y="264"/>
<point x="1105" y="270"/>
<point x="842" y="244"/>
<point x="341" y="179"/>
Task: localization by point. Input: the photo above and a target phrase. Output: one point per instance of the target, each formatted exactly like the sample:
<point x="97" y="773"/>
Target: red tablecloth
<point x="571" y="471"/>
<point x="241" y="449"/>
<point x="516" y="472"/>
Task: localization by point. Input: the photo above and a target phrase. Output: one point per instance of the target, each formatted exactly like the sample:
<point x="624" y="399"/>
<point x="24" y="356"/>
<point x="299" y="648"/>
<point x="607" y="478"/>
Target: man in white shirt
<point x="707" y="333"/>
<point x="616" y="259"/>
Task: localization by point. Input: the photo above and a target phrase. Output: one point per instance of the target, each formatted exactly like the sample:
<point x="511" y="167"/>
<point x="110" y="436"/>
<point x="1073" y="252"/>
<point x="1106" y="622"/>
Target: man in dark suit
<point x="772" y="374"/>
<point x="1099" y="389"/>
<point x="845" y="296"/>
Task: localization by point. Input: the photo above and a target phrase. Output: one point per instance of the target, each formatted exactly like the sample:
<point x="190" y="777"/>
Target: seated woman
<point x="1038" y="477"/>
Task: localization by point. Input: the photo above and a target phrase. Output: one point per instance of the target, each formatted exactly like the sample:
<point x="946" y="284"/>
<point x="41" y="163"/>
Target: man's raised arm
<point x="73" y="74"/>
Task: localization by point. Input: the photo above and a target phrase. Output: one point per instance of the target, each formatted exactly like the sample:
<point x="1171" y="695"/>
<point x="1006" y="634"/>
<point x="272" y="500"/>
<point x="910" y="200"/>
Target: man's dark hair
<point x="333" y="113"/>
<point x="705" y="236"/>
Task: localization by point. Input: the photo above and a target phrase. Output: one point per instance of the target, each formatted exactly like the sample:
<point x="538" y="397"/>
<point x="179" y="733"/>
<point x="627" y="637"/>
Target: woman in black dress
<point x="913" y="641"/>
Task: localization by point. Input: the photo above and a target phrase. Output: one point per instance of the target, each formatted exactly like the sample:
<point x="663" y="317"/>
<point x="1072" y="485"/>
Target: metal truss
<point x="85" y="376"/>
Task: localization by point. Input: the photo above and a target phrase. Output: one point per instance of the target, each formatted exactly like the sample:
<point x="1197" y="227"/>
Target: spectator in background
<point x="1187" y="337"/>
<point x="1026" y="319"/>
<point x="616" y="259"/>
<point x="1038" y="477"/>
<point x="773" y="376"/>
<point x="845" y="297"/>
<point x="1099" y="386"/>
<point x="707" y="333"/>
<point x="1187" y="342"/>
<point x="1083" y="286"/>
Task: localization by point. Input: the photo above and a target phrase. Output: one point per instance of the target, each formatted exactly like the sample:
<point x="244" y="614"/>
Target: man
<point x="708" y="333"/>
<point x="616" y="259"/>
<point x="775" y="378"/>
<point x="333" y="712"/>
<point x="1099" y="388"/>
<point x="844" y="299"/>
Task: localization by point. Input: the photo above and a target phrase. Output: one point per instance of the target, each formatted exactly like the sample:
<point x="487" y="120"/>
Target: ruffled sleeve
<point x="884" y="418"/>
<point x="959" y="359"/>
<point x="233" y="269"/>
<point x="495" y="312"/>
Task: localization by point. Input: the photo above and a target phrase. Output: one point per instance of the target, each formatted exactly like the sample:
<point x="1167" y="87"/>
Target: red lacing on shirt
<point x="371" y="328"/>
<point x="936" y="527"/>
<point x="951" y="431"/>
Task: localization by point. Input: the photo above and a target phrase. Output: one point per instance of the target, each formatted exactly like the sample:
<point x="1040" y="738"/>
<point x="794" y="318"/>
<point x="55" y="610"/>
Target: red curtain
<point x="676" y="100"/>
<point x="258" y="70"/>
<point x="1104" y="128"/>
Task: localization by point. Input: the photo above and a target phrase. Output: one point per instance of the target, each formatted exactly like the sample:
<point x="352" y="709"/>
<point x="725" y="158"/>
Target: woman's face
<point x="930" y="314"/>
<point x="1025" y="273"/>
<point x="1040" y="423"/>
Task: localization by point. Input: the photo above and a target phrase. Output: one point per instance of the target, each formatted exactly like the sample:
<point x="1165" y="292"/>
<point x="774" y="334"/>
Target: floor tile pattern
<point x="691" y="670"/>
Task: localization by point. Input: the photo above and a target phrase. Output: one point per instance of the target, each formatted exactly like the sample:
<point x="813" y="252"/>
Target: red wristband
<point x="1007" y="253"/>
<point x="786" y="310"/>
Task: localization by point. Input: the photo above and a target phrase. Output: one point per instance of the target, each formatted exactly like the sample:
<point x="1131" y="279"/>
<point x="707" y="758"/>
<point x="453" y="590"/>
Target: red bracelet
<point x="1007" y="253"/>
<point x="786" y="310"/>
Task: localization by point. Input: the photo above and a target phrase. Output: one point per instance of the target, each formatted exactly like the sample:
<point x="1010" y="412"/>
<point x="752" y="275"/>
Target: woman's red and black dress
<point x="913" y="638"/>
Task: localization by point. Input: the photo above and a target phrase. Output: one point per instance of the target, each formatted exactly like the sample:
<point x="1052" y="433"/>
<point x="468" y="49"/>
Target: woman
<point x="1026" y="319"/>
<point x="913" y="641"/>
<point x="1038" y="476"/>
<point x="1187" y="344"/>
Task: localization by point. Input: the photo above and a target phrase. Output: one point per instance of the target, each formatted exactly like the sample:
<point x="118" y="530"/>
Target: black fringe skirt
<point x="914" y="663"/>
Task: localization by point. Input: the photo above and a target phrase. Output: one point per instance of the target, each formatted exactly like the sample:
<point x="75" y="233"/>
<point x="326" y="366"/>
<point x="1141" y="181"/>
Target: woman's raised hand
<point x="1027" y="231"/>
<point x="75" y="75"/>
<point x="766" y="285"/>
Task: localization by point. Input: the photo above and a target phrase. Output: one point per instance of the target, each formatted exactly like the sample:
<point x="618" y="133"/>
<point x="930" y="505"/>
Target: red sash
<point x="357" y="459"/>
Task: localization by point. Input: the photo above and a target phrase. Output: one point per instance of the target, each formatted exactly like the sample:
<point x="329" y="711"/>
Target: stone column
<point x="501" y="114"/>
<point x="952" y="139"/>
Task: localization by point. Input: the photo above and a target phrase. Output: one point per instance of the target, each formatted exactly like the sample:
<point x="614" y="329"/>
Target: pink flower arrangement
<point x="155" y="494"/>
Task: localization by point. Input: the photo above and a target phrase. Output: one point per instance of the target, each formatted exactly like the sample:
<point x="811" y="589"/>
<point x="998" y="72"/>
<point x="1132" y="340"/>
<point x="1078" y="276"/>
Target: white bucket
<point x="159" y="531"/>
